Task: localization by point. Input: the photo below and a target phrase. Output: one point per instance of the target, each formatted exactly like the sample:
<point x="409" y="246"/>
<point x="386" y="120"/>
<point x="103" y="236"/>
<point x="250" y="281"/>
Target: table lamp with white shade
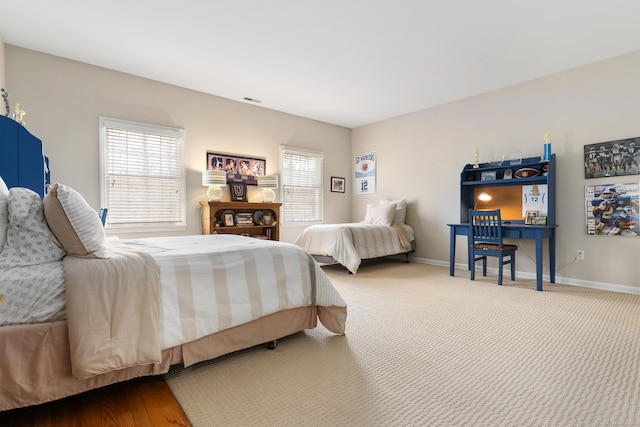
<point x="214" y="179"/>
<point x="268" y="183"/>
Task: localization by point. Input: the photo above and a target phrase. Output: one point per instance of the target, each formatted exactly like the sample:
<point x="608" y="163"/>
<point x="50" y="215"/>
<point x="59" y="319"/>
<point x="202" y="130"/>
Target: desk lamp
<point x="268" y="183"/>
<point x="484" y="197"/>
<point x="214" y="179"/>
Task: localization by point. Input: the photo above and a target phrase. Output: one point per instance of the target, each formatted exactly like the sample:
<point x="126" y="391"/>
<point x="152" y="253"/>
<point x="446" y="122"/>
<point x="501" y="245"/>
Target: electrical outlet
<point x="580" y="254"/>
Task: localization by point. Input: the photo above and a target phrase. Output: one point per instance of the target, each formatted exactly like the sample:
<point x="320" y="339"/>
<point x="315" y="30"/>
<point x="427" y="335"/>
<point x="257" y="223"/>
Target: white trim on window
<point x="142" y="176"/>
<point x="301" y="188"/>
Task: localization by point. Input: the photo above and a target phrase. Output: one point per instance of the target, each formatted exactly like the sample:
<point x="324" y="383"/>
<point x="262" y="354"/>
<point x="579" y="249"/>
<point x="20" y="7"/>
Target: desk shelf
<point x="471" y="179"/>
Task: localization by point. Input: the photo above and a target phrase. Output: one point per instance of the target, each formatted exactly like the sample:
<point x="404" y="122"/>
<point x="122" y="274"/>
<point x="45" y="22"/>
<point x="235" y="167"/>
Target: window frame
<point x="179" y="134"/>
<point x="318" y="157"/>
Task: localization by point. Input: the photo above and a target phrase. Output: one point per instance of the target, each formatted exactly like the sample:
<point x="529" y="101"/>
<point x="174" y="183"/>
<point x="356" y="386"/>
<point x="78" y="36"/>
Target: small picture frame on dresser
<point x="228" y="220"/>
<point x="238" y="191"/>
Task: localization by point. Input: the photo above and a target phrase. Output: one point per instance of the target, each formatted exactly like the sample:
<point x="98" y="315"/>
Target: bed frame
<point x="35" y="364"/>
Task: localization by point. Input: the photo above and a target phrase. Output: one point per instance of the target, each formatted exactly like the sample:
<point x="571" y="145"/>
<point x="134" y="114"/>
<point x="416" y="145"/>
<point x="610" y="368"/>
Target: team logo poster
<point x="365" y="176"/>
<point x="612" y="209"/>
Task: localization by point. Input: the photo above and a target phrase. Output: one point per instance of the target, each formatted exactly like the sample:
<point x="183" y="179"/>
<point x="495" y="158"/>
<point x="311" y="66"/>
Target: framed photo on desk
<point x="528" y="219"/>
<point x="488" y="176"/>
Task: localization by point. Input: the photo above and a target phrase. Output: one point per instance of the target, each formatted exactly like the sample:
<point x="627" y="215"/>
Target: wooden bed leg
<point x="272" y="344"/>
<point x="406" y="258"/>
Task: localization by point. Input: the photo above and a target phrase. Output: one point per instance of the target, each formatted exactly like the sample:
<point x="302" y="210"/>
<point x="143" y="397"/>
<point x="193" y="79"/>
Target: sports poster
<point x="365" y="174"/>
<point x="612" y="209"/>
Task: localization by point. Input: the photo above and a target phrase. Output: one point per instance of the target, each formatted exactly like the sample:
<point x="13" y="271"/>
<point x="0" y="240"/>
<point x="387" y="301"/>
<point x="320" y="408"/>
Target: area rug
<point x="426" y="349"/>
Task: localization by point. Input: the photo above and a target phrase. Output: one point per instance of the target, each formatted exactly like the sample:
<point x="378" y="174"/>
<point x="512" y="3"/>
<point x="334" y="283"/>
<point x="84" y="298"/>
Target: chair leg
<point x="513" y="267"/>
<point x="500" y="268"/>
<point x="472" y="270"/>
<point x="484" y="265"/>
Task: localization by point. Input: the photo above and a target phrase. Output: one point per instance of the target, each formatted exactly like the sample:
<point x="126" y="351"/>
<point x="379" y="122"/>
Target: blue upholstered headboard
<point x="22" y="163"/>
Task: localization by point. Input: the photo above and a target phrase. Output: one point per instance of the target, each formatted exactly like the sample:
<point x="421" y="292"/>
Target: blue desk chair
<point x="102" y="213"/>
<point x="486" y="240"/>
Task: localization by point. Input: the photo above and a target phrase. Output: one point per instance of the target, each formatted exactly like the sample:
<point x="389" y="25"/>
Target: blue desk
<point x="514" y="231"/>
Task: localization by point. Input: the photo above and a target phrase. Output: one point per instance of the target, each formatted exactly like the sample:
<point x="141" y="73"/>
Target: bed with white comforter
<point x="382" y="233"/>
<point x="118" y="309"/>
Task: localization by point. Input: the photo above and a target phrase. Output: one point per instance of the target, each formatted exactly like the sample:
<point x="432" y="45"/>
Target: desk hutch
<point x="506" y="195"/>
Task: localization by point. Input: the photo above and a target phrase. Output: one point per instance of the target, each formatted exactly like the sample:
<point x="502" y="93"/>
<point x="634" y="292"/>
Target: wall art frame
<point x="365" y="174"/>
<point x="612" y="209"/>
<point x="337" y="184"/>
<point x="612" y="158"/>
<point x="239" y="168"/>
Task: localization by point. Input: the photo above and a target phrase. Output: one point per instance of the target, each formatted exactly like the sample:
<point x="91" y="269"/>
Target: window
<point x="301" y="185"/>
<point x="142" y="176"/>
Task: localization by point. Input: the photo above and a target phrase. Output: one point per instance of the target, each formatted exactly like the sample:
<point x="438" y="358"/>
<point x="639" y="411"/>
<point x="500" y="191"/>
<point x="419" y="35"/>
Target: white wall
<point x="63" y="100"/>
<point x="421" y="155"/>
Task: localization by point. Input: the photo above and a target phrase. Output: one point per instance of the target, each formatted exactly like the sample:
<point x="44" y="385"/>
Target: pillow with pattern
<point x="29" y="240"/>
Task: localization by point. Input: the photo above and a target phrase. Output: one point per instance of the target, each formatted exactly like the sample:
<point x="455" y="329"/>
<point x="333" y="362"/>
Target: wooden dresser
<point x="249" y="219"/>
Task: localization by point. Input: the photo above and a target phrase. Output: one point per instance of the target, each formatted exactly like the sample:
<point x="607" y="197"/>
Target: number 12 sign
<point x="365" y="174"/>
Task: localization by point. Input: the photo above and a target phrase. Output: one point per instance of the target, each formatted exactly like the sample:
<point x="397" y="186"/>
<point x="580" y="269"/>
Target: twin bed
<point x="382" y="233"/>
<point x="79" y="310"/>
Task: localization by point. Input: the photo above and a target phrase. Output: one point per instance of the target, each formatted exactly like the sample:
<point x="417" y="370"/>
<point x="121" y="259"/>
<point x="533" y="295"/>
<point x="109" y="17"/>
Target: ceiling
<point x="345" y="62"/>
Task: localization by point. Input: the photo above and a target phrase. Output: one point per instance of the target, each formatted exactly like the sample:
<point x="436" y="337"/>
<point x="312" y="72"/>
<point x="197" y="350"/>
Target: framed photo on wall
<point x="337" y="184"/>
<point x="612" y="158"/>
<point x="239" y="168"/>
<point x="365" y="174"/>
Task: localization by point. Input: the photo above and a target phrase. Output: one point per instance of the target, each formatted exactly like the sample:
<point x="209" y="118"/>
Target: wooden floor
<point x="140" y="402"/>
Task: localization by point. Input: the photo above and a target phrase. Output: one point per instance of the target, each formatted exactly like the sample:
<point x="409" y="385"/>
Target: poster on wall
<point x="612" y="209"/>
<point x="365" y="175"/>
<point x="613" y="158"/>
<point x="238" y="168"/>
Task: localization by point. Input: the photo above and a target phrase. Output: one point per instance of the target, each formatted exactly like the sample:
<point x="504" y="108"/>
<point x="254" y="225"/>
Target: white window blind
<point x="301" y="185"/>
<point x="142" y="176"/>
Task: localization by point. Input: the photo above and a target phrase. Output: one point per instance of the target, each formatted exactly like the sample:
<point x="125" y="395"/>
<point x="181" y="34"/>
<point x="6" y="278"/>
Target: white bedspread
<point x="350" y="243"/>
<point x="214" y="282"/>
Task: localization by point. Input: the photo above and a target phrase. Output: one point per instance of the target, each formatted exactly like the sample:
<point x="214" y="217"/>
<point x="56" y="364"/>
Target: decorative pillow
<point x="380" y="214"/>
<point x="4" y="213"/>
<point x="29" y="240"/>
<point x="74" y="223"/>
<point x="401" y="210"/>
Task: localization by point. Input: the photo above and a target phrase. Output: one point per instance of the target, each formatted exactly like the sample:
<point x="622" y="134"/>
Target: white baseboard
<point x="559" y="279"/>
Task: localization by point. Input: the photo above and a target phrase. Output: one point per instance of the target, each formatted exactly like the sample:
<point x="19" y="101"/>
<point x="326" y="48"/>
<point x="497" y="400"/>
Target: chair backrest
<point x="486" y="226"/>
<point x="102" y="213"/>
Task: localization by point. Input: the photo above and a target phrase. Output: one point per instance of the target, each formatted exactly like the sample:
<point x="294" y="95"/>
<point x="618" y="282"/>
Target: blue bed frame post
<point x="22" y="163"/>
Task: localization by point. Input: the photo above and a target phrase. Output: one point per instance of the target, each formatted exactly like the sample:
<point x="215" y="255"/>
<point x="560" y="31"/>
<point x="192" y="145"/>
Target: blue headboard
<point x="22" y="163"/>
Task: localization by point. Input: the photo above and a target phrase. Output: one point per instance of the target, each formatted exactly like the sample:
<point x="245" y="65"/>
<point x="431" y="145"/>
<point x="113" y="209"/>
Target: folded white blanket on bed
<point x="112" y="310"/>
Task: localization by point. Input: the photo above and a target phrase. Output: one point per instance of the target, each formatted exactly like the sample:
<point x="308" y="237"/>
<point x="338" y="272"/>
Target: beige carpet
<point x="423" y="348"/>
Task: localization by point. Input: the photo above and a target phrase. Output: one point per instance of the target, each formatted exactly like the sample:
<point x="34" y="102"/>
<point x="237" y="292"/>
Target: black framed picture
<point x="337" y="184"/>
<point x="239" y="168"/>
<point x="612" y="158"/>
<point x="238" y="191"/>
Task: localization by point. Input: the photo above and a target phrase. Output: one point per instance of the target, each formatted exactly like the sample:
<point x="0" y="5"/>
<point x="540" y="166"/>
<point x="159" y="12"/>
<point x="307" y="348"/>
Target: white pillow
<point x="74" y="223"/>
<point x="29" y="240"/>
<point x="4" y="212"/>
<point x="401" y="210"/>
<point x="380" y="214"/>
